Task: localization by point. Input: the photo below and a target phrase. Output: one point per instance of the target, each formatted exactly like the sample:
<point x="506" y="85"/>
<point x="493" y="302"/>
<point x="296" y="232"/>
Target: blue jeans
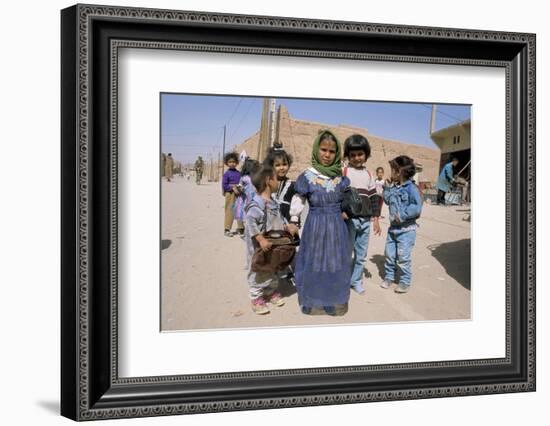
<point x="359" y="231"/>
<point x="399" y="245"/>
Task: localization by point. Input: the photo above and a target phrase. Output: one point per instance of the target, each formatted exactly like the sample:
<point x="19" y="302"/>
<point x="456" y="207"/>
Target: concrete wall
<point x="445" y="139"/>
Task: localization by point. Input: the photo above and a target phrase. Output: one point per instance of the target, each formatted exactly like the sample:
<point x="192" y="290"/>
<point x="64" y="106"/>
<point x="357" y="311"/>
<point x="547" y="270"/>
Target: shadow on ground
<point x="164" y="244"/>
<point x="455" y="258"/>
<point x="378" y="260"/>
<point x="286" y="288"/>
<point x="51" y="406"/>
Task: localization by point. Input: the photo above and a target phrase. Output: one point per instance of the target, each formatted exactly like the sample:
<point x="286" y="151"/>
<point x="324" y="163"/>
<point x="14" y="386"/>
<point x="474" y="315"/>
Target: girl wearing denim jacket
<point x="405" y="205"/>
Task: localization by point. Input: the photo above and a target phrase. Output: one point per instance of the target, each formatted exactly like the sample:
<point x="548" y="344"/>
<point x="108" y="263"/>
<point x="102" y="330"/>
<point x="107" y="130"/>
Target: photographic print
<point x="280" y="212"/>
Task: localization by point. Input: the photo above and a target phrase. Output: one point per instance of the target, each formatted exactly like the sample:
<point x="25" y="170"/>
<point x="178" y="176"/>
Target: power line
<point x="234" y="111"/>
<point x="186" y="133"/>
<point x="184" y="146"/>
<point x="458" y="120"/>
<point x="242" y="119"/>
<point x="210" y="129"/>
<point x="217" y="144"/>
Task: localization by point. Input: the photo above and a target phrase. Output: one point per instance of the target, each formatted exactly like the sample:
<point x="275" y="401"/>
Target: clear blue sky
<point x="192" y="125"/>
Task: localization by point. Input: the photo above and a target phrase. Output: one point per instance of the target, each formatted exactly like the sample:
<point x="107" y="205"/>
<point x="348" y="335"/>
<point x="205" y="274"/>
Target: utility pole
<point x="272" y="118"/>
<point x="277" y="138"/>
<point x="432" y="121"/>
<point x="211" y="168"/>
<point x="218" y="169"/>
<point x="263" y="143"/>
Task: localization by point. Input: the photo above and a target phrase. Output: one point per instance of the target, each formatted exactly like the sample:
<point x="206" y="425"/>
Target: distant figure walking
<point x="169" y="167"/>
<point x="199" y="168"/>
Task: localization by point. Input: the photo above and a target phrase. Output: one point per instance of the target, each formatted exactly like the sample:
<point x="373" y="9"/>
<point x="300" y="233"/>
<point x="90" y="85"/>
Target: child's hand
<point x="293" y="229"/>
<point x="345" y="216"/>
<point x="377" y="230"/>
<point x="265" y="244"/>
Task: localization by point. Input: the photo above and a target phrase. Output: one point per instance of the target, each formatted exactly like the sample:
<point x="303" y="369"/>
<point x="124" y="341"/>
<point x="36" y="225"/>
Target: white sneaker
<point x="385" y="284"/>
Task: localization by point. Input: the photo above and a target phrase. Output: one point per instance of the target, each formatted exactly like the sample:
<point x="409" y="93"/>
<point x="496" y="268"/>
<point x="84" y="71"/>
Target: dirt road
<point x="204" y="284"/>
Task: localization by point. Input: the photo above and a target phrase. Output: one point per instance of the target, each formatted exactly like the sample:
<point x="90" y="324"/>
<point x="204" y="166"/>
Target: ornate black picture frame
<point x="91" y="387"/>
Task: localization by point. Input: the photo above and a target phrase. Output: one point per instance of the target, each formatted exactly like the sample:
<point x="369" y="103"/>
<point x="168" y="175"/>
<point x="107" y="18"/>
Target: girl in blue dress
<point x="323" y="262"/>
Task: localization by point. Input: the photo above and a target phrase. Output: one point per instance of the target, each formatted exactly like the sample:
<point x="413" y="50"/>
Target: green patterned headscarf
<point x="335" y="169"/>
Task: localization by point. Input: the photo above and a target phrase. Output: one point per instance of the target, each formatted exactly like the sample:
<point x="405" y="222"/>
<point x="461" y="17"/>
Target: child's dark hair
<point x="327" y="136"/>
<point x="276" y="152"/>
<point x="258" y="178"/>
<point x="250" y="167"/>
<point x="230" y="156"/>
<point x="380" y="168"/>
<point x="404" y="165"/>
<point x="355" y="143"/>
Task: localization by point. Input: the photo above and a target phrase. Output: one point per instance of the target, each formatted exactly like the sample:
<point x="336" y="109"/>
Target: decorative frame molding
<point x="91" y="37"/>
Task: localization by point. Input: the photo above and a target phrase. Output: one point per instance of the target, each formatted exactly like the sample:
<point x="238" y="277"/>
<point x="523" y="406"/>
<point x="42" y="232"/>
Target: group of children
<point x="334" y="237"/>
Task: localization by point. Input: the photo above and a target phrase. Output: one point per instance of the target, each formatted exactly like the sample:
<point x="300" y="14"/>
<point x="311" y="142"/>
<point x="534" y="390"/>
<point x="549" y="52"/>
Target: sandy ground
<point x="203" y="284"/>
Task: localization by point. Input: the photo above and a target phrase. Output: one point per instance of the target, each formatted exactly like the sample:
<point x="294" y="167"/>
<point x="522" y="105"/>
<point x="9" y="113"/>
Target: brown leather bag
<point x="279" y="256"/>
